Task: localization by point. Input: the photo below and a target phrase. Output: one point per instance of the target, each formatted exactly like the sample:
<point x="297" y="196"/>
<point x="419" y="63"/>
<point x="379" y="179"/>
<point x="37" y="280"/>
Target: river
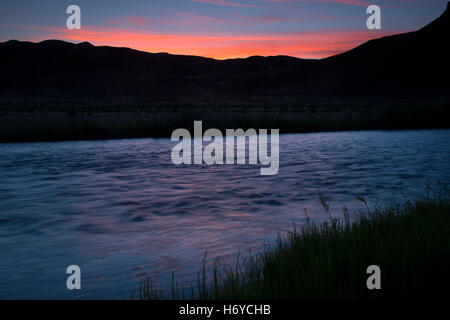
<point x="122" y="211"/>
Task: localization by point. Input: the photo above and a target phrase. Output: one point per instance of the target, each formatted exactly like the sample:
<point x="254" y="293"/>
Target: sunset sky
<point x="217" y="28"/>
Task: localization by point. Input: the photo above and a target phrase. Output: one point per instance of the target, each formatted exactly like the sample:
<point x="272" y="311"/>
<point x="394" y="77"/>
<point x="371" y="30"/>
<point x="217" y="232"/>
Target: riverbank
<point x="38" y="120"/>
<point x="409" y="242"/>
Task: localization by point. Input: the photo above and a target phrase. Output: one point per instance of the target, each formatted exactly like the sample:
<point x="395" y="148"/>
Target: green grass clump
<point x="410" y="243"/>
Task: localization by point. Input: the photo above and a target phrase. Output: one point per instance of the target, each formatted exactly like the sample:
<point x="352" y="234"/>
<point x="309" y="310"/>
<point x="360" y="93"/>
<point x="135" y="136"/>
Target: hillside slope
<point x="404" y="65"/>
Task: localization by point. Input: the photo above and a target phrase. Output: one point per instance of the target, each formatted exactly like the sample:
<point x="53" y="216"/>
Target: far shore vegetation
<point x="409" y="241"/>
<point x="50" y="120"/>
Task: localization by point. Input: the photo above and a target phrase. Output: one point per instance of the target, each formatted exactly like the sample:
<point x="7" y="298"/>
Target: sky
<point x="218" y="29"/>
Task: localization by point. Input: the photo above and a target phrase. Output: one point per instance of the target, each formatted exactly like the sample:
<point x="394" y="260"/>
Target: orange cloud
<point x="307" y="44"/>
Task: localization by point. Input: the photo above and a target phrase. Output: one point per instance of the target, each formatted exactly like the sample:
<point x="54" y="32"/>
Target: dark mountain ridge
<point x="404" y="65"/>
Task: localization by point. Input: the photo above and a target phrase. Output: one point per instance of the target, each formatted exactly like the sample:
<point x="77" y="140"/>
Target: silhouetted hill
<point x="403" y="64"/>
<point x="410" y="64"/>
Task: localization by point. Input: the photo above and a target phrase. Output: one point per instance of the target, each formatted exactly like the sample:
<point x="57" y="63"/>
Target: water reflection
<point x="121" y="210"/>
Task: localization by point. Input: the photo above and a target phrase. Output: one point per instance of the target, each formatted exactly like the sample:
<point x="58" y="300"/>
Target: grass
<point x="410" y="243"/>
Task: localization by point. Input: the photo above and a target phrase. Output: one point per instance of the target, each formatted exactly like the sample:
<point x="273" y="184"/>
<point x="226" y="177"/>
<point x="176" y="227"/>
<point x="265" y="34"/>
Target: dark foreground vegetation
<point x="409" y="242"/>
<point x="40" y="120"/>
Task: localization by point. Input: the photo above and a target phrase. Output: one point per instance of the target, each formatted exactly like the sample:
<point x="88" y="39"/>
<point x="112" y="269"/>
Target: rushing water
<point x="122" y="211"/>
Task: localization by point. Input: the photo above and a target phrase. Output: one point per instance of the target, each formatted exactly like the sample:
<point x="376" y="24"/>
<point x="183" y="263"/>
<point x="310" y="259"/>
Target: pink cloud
<point x="269" y="18"/>
<point x="308" y="44"/>
<point x="187" y="19"/>
<point x="349" y="2"/>
<point x="225" y="3"/>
